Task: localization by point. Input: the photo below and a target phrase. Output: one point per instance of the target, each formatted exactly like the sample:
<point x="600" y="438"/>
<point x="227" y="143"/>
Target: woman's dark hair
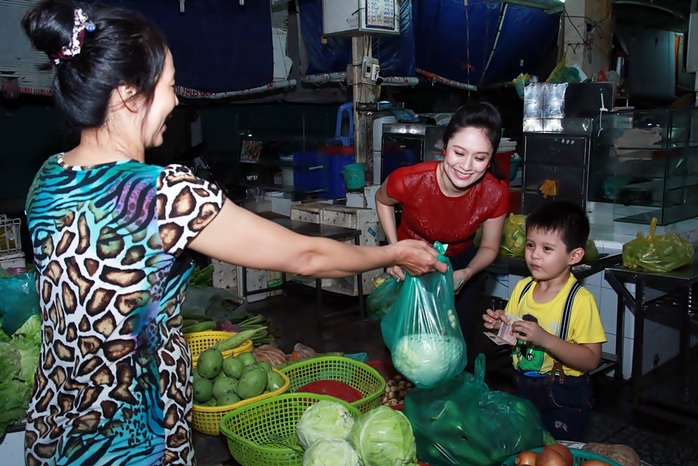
<point x="123" y="48"/>
<point x="478" y="115"/>
<point x="567" y="218"/>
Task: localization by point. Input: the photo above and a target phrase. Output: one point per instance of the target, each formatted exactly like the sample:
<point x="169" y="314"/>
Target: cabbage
<point x="325" y="419"/>
<point x="428" y="359"/>
<point x="330" y="452"/>
<point x="383" y="437"/>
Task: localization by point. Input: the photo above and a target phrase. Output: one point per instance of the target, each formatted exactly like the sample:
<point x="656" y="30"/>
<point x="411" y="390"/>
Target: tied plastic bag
<point x="382" y="297"/>
<point x="422" y="329"/>
<point x="657" y="253"/>
<point x="462" y="421"/>
<point x="19" y="300"/>
<point x="513" y="236"/>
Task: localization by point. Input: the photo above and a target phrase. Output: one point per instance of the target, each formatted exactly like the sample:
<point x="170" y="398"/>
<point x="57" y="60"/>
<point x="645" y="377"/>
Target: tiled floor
<point x="294" y="318"/>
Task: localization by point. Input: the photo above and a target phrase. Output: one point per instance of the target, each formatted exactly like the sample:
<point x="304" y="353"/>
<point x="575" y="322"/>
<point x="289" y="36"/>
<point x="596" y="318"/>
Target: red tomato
<point x="333" y="388"/>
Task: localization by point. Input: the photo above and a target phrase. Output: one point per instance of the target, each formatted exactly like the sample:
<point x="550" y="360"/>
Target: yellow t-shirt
<point x="585" y="324"/>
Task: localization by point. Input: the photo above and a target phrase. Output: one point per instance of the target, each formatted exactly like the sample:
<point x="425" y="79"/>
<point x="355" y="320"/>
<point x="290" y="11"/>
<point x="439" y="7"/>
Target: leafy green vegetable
<point x="20" y="357"/>
<point x="384" y="436"/>
<point x="202" y="278"/>
<point x="334" y="452"/>
<point x="324" y="419"/>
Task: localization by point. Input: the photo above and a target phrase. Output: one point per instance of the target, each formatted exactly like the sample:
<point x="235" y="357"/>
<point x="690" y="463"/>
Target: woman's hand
<point x="396" y="272"/>
<point x="460" y="277"/>
<point x="417" y="257"/>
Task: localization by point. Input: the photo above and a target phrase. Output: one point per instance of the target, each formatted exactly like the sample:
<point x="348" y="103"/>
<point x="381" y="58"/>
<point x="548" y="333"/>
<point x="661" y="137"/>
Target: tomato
<point x="333" y="388"/>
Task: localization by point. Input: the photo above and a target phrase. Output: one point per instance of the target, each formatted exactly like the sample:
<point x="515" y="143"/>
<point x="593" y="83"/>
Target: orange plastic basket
<point x="201" y="341"/>
<point x="207" y="419"/>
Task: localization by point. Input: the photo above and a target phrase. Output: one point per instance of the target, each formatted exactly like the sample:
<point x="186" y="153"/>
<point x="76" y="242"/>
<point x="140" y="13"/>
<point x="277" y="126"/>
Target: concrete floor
<point x="294" y="318"/>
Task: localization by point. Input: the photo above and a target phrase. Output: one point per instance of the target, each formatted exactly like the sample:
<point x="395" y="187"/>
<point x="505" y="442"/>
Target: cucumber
<point x="200" y="327"/>
<point x="236" y="340"/>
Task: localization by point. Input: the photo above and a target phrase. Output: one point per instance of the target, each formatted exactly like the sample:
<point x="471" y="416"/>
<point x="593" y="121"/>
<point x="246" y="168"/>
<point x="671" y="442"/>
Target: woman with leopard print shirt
<point x="114" y="384"/>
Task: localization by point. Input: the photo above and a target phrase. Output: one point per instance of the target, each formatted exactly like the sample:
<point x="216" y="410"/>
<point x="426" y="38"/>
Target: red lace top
<point x="429" y="215"/>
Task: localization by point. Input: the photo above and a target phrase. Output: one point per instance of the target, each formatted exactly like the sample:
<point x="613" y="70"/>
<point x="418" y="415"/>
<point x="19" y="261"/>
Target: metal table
<point x="323" y="231"/>
<point x="672" y="395"/>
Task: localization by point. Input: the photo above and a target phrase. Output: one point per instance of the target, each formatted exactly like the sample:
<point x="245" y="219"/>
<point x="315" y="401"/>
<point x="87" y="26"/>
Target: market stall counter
<point x="669" y="298"/>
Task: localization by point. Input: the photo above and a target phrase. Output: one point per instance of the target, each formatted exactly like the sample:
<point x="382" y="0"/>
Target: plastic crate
<point x="579" y="456"/>
<point x="201" y="341"/>
<point x="264" y="433"/>
<point x="356" y="374"/>
<point x="207" y="419"/>
<point x="10" y="237"/>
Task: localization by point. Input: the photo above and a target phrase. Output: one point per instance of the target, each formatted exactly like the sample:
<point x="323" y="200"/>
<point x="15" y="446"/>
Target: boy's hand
<point x="493" y="319"/>
<point x="531" y="333"/>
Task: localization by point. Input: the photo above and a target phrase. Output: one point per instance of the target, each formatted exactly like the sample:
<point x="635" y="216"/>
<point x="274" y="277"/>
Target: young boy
<point x="555" y="321"/>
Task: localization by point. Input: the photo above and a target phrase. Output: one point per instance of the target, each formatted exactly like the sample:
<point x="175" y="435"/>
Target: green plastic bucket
<point x="354" y="175"/>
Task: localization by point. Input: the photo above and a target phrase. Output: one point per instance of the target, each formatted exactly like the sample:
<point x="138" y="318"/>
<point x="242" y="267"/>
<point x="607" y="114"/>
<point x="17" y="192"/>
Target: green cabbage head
<point x="330" y="452"/>
<point x="324" y="419"/>
<point x="383" y="437"/>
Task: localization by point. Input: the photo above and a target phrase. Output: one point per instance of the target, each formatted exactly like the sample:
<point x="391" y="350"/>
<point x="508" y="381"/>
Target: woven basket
<point x="264" y="433"/>
<point x="356" y="374"/>
<point x="207" y="419"/>
<point x="201" y="341"/>
<point x="579" y="456"/>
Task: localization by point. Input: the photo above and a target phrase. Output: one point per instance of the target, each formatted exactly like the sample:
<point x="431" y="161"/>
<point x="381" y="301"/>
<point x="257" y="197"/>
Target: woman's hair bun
<point x="49" y="25"/>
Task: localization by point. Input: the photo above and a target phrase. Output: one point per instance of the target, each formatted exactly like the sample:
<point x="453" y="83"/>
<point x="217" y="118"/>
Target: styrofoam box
<point x="12" y="448"/>
<point x="358" y="218"/>
<point x="308" y="212"/>
<point x="226" y="275"/>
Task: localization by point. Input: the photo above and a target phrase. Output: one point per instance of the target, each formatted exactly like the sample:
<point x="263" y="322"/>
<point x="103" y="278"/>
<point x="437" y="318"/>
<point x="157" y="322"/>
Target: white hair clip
<point x="80" y="25"/>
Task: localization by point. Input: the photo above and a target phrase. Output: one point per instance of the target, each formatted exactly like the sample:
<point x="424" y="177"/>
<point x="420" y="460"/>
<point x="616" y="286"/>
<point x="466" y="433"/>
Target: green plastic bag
<point x="657" y="253"/>
<point x="422" y="329"/>
<point x="382" y="298"/>
<point x="513" y="236"/>
<point x="19" y="300"/>
<point x="462" y="422"/>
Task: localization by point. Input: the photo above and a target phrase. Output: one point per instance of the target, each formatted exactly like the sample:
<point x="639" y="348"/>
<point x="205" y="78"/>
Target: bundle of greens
<point x="19" y="354"/>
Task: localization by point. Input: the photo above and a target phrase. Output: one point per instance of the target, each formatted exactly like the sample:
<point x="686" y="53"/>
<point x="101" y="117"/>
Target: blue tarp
<point x="217" y="46"/>
<point x="444" y="37"/>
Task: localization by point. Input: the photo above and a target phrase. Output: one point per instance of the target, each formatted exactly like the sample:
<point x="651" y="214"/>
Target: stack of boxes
<point x="358" y="218"/>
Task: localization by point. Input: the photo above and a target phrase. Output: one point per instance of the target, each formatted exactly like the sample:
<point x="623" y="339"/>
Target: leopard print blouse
<point x="113" y="385"/>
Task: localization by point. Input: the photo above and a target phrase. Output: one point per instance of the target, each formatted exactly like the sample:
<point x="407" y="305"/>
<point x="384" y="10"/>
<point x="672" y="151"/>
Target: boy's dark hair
<point x="566" y="217"/>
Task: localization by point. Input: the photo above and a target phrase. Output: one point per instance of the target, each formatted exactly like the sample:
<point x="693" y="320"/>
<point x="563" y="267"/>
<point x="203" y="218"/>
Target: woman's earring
<point x="443" y="152"/>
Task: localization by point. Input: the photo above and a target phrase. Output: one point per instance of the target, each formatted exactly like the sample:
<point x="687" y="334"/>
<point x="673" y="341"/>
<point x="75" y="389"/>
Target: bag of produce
<point x="19" y="300"/>
<point x="513" y="236"/>
<point x="422" y="329"/>
<point x="657" y="253"/>
<point x="382" y="298"/>
<point x="462" y="421"/>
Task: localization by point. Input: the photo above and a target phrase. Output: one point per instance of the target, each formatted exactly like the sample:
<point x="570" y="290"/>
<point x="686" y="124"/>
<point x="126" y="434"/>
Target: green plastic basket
<point x="578" y="455"/>
<point x="358" y="375"/>
<point x="264" y="433"/>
